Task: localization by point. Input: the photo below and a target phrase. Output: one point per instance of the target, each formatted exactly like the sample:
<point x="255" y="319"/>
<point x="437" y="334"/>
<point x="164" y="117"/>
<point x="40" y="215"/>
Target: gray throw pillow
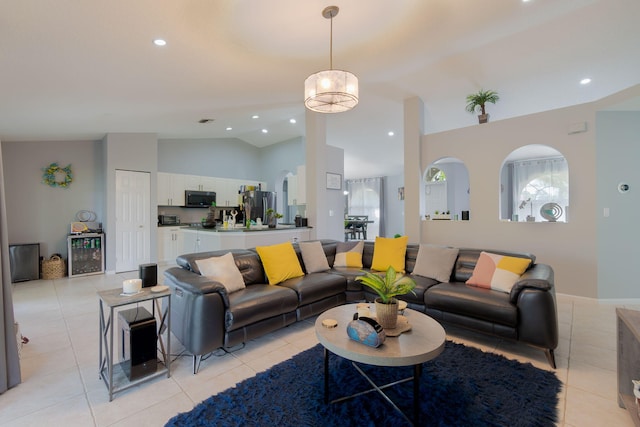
<point x="435" y="262"/>
<point x="313" y="257"/>
<point x="222" y="269"/>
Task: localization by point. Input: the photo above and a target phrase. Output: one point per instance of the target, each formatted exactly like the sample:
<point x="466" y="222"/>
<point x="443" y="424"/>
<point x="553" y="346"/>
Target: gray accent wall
<point x="618" y="155"/>
<point x="38" y="213"/>
<point x="228" y="158"/>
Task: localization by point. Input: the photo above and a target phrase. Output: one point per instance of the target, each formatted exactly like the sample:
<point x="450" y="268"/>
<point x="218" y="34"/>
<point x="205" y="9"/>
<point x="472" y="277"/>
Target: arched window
<point x="534" y="185"/>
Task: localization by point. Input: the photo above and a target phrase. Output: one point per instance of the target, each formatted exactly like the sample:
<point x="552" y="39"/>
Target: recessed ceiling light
<point x="292" y="121"/>
<point x="390" y="133"/>
<point x="255" y="116"/>
<point x="265" y="131"/>
<point x="160" y="42"/>
<point x="585" y="81"/>
<point x="229" y="128"/>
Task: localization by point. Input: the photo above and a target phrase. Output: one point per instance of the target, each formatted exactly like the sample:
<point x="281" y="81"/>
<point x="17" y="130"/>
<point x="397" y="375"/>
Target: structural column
<point x="316" y="168"/>
<point x="413" y="186"/>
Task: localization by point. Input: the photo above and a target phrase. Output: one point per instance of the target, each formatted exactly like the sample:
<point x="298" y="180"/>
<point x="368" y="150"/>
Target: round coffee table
<point x="422" y="343"/>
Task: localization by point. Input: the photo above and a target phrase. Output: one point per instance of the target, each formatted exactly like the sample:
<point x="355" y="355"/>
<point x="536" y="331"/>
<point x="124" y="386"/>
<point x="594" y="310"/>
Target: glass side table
<point x="112" y="373"/>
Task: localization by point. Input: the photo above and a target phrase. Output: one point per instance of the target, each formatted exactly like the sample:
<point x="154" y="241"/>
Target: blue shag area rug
<point x="462" y="387"/>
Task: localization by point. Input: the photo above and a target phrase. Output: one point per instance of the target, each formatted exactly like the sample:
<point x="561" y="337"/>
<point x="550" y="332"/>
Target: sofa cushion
<point x="222" y="269"/>
<point x="313" y="257"/>
<point x="349" y="254"/>
<point x="258" y="302"/>
<point x="316" y="286"/>
<point x="472" y="301"/>
<point x="280" y="262"/>
<point x="389" y="252"/>
<point x="498" y="272"/>
<point x="435" y="262"/>
<point x="415" y="297"/>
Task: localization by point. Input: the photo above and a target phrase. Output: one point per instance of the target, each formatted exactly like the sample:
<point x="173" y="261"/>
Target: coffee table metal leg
<point x="417" y="373"/>
<point x="326" y="376"/>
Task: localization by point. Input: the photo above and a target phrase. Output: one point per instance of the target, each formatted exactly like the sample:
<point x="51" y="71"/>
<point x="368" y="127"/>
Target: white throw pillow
<point x="435" y="262"/>
<point x="313" y="257"/>
<point x="222" y="269"/>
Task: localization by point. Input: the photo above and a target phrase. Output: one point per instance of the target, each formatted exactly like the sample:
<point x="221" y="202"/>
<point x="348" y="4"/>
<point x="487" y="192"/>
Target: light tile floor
<point x="60" y="363"/>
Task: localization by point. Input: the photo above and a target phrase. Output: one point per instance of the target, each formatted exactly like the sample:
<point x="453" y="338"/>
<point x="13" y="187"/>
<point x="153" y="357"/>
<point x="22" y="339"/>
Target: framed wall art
<point x="334" y="181"/>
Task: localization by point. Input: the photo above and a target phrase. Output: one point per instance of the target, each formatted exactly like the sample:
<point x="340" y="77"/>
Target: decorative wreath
<point x="55" y="176"/>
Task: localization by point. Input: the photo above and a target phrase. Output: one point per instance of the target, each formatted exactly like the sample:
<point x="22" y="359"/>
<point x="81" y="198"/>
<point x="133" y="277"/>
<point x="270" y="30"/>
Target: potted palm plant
<point x="478" y="100"/>
<point x="388" y="286"/>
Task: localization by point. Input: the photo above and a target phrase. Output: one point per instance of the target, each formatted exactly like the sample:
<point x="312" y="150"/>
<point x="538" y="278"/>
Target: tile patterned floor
<point x="61" y="385"/>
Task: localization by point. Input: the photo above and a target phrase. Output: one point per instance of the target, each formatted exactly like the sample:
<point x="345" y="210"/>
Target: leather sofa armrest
<point x="194" y="283"/>
<point x="539" y="276"/>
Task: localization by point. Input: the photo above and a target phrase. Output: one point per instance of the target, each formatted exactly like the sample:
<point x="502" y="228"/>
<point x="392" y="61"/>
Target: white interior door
<point x="133" y="228"/>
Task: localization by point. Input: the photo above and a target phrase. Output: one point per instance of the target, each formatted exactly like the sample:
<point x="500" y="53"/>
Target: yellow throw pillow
<point x="388" y="251"/>
<point x="280" y="262"/>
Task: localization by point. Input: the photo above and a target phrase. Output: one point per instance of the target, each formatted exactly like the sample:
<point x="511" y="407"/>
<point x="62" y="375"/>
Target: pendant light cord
<point x="331" y="45"/>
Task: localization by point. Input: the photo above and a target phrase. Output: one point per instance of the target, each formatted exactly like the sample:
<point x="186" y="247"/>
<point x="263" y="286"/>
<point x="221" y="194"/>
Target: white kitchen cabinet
<point x="227" y="191"/>
<point x="170" y="244"/>
<point x="200" y="183"/>
<point x="296" y="191"/>
<point x="292" y="190"/>
<point x="301" y="188"/>
<point x="171" y="188"/>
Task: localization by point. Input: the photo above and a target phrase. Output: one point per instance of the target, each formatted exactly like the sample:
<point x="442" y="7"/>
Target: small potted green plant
<point x="272" y="217"/>
<point x="478" y="100"/>
<point x="388" y="286"/>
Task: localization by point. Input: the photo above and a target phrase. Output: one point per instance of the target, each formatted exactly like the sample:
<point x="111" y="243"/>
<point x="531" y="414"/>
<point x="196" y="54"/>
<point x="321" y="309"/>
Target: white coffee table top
<point x="422" y="343"/>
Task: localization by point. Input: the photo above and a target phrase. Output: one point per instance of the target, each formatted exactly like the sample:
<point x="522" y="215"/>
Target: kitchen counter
<point x="198" y="239"/>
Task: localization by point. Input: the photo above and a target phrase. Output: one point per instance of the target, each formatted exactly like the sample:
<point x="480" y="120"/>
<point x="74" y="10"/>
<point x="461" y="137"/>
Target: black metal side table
<point x="112" y="373"/>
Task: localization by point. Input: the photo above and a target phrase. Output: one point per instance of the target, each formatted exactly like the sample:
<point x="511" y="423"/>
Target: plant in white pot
<point x="478" y="100"/>
<point x="388" y="286"/>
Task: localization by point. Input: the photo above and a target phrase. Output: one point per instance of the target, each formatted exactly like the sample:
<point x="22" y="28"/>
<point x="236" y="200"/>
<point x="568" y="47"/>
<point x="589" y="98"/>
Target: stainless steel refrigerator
<point x="258" y="203"/>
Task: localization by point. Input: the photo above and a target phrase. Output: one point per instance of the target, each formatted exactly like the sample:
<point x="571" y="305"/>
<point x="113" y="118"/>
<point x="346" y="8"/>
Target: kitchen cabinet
<point x="296" y="191"/>
<point x="200" y="183"/>
<point x="170" y="244"/>
<point x="205" y="240"/>
<point x="227" y="191"/>
<point x="301" y="175"/>
<point x="292" y="190"/>
<point x="171" y="188"/>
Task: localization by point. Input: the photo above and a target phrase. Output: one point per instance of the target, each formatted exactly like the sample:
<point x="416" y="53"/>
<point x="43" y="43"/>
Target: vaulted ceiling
<point x="74" y="70"/>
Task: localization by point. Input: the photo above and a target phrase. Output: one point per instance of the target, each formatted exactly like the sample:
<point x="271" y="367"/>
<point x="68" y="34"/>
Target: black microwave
<point x="199" y="199"/>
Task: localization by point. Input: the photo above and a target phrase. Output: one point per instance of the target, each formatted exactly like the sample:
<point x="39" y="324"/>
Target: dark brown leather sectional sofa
<point x="205" y="317"/>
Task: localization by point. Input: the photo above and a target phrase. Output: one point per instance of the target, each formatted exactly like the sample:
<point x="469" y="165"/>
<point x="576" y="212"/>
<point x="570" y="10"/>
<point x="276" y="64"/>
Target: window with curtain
<point x="366" y="197"/>
<point x="538" y="183"/>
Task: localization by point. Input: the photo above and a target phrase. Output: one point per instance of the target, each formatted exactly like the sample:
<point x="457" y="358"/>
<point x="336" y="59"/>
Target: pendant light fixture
<point x="331" y="91"/>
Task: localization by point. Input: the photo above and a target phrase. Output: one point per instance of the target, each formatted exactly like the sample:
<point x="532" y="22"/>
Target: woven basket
<point x="53" y="268"/>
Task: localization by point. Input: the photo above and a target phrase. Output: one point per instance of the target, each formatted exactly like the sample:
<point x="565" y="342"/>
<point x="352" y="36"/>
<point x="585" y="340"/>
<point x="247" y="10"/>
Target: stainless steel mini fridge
<point x="24" y="262"/>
